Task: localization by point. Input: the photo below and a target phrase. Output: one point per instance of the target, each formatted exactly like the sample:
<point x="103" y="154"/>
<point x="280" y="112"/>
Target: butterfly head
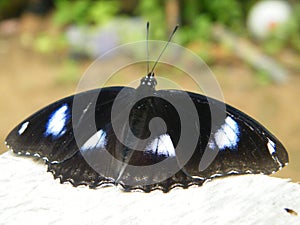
<point x="149" y="81"/>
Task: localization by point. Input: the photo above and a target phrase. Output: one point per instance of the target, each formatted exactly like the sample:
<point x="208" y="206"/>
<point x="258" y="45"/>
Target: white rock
<point x="30" y="195"/>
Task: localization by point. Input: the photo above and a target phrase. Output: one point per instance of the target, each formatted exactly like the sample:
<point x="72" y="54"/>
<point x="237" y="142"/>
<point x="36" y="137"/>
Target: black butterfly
<point x="85" y="140"/>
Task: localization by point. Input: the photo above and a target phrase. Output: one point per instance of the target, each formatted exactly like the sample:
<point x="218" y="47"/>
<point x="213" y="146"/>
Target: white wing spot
<point x="57" y="121"/>
<point x="228" y="135"/>
<point x="23" y="128"/>
<point x="162" y="145"/>
<point x="271" y="146"/>
<point x="98" y="140"/>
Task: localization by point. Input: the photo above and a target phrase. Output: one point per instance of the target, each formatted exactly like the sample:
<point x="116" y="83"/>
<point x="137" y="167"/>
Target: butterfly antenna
<point x="171" y="36"/>
<point x="147" y="39"/>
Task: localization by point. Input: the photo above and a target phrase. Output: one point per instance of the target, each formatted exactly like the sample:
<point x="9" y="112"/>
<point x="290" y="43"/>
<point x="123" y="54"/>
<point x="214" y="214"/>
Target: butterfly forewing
<point x="243" y="144"/>
<point x="49" y="133"/>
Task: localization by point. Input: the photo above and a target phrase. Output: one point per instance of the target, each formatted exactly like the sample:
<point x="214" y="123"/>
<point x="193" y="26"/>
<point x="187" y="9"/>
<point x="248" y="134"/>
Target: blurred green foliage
<point x="194" y="14"/>
<point x="154" y="12"/>
<point x="196" y="18"/>
<point x="46" y="44"/>
<point x="207" y="12"/>
<point x="84" y="12"/>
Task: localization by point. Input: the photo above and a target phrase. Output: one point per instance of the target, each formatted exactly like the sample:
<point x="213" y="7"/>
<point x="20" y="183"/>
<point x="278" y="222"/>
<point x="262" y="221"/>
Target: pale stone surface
<point x="30" y="195"/>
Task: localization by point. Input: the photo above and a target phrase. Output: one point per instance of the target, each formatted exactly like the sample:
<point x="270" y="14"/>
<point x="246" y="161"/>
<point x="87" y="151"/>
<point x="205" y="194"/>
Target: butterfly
<point x="146" y="139"/>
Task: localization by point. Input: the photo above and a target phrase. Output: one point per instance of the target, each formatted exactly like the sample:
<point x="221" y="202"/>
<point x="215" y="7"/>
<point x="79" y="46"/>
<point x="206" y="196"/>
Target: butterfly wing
<point x="49" y="133"/>
<point x="242" y="145"/>
<point x="239" y="143"/>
